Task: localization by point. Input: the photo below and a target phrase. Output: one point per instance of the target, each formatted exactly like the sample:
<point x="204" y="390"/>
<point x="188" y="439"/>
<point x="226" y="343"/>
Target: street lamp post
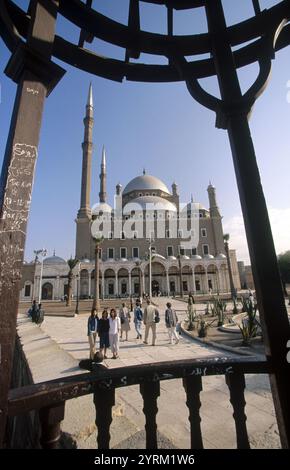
<point x="96" y="302"/>
<point x="150" y="240"/>
<point x="78" y="284"/>
<point x="43" y="253"/>
<point x="227" y="250"/>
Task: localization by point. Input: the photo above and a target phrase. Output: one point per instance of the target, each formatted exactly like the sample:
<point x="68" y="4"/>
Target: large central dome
<point x="145" y="182"/>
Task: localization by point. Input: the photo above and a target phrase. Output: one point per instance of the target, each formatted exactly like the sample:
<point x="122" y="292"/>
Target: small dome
<point x="208" y="257"/>
<point x="101" y="208"/>
<point x="85" y="260"/>
<point x="157" y="256"/>
<point x="172" y="258"/>
<point x="144" y="182"/>
<point x="185" y="257"/>
<point x="196" y="257"/>
<point x="221" y="256"/>
<point x="54" y="260"/>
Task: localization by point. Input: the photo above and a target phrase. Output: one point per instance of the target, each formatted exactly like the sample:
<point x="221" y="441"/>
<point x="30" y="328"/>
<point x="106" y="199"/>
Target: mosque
<point x="185" y="241"/>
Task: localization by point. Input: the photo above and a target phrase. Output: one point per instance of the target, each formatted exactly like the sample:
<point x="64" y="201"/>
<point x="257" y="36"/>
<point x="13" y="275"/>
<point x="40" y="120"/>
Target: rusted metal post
<point x="236" y="384"/>
<point x="30" y="67"/>
<point x="150" y="392"/>
<point x="267" y="280"/>
<point x="104" y="400"/>
<point x="50" y="419"/>
<point x="193" y="386"/>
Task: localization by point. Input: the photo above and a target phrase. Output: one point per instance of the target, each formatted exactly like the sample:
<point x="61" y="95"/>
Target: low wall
<point x="22" y="431"/>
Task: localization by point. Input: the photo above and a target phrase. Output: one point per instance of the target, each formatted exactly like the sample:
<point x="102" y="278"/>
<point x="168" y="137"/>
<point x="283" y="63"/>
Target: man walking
<point x="138" y="317"/>
<point x="151" y="317"/>
<point x="171" y="321"/>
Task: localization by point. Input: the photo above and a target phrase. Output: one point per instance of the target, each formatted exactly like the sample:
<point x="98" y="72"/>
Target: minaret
<point x="213" y="207"/>
<point x="84" y="217"/>
<point x="118" y="189"/>
<point x="216" y="222"/>
<point x="174" y="189"/>
<point x="103" y="177"/>
<point x="87" y="145"/>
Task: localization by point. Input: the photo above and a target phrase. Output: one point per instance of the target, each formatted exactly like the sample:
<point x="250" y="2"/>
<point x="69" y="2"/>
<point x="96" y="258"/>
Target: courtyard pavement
<point x="54" y="350"/>
<point x="71" y="335"/>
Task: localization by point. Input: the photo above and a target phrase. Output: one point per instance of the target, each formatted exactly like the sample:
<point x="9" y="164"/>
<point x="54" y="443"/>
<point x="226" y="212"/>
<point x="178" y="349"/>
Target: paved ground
<point x="70" y="334"/>
<point x="54" y="350"/>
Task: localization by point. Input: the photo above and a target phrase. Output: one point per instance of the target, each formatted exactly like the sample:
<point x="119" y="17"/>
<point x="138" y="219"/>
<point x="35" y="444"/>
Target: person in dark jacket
<point x="92" y="331"/>
<point x="138" y="317"/>
<point x="103" y="332"/>
<point x="171" y="321"/>
<point x="33" y="311"/>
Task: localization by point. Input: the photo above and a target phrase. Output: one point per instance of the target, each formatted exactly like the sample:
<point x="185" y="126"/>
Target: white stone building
<point x="145" y="202"/>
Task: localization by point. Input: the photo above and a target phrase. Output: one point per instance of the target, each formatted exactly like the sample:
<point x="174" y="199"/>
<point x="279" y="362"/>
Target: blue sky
<point x="159" y="127"/>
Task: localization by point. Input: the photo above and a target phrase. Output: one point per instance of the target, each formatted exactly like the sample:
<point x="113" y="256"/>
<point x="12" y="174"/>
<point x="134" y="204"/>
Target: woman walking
<point x="115" y="326"/>
<point x="103" y="332"/>
<point x="125" y="318"/>
<point x="92" y="331"/>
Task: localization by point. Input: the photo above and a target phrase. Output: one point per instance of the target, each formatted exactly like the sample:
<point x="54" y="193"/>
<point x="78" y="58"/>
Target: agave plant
<point x="191" y="317"/>
<point x="235" y="308"/>
<point x="249" y="325"/>
<point x="202" y="330"/>
<point x="203" y="326"/>
<point x="218" y="309"/>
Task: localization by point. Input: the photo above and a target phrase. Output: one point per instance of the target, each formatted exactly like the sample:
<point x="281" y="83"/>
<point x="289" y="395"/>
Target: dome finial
<point x="54" y="252"/>
<point x="144" y="171"/>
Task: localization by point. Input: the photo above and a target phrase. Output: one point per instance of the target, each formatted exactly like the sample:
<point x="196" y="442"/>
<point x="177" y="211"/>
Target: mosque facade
<point x="147" y="224"/>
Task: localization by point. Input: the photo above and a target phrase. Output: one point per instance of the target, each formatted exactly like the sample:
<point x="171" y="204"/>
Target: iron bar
<point x="267" y="280"/>
<point x="236" y="384"/>
<point x="32" y="70"/>
<point x="193" y="386"/>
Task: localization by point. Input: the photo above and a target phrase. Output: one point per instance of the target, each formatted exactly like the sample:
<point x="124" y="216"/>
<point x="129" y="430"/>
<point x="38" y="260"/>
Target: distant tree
<point x="72" y="262"/>
<point x="227" y="250"/>
<point x="284" y="267"/>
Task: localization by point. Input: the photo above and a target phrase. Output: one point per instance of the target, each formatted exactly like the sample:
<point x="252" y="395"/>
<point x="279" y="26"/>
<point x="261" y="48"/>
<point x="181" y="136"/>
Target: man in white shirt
<point x="151" y="317"/>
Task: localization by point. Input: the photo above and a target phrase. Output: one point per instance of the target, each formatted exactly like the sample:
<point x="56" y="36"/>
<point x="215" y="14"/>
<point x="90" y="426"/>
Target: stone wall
<point x="22" y="431"/>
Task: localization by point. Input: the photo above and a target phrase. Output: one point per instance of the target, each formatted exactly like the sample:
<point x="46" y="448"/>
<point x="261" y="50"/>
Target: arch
<point x="212" y="268"/>
<point x="158" y="276"/>
<point x="186" y="269"/>
<point x="187" y="283"/>
<point x="109" y="272"/>
<point x="136" y="280"/>
<point x="201" y="285"/>
<point x="157" y="268"/>
<point x="122" y="272"/>
<point x="173" y="270"/>
<point x="47" y="291"/>
<point x="199" y="269"/>
<point x="84" y="283"/>
<point x="213" y="279"/>
<point x="93" y="274"/>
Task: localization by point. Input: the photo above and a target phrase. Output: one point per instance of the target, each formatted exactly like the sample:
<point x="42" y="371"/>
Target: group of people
<point x="111" y="327"/>
<point x="36" y="313"/>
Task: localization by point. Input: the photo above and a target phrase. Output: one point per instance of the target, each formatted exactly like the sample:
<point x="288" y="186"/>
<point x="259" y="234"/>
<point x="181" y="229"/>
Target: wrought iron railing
<point x="49" y="398"/>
